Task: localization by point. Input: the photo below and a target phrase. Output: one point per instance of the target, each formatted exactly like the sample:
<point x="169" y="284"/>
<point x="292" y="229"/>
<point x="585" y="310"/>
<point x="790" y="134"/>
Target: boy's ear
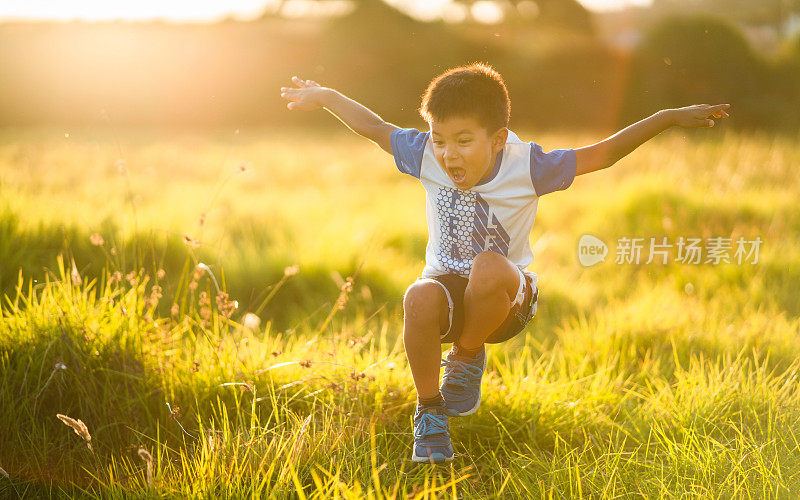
<point x="499" y="139"/>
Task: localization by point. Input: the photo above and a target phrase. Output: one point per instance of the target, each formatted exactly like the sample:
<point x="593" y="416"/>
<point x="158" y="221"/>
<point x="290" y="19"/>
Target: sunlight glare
<point x="100" y="10"/>
<point x="487" y="12"/>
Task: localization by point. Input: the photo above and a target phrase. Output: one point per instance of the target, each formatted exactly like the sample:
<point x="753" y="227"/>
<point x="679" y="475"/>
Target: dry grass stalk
<point x="346" y="288"/>
<point x="300" y="439"/>
<point x="75" y="275"/>
<point x="79" y="427"/>
<point x="58" y="366"/>
<point x="5" y="475"/>
<point x="145" y="455"/>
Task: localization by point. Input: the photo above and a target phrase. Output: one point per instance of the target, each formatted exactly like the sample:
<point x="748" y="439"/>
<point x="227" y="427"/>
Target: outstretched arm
<point x="609" y="151"/>
<point x="309" y="95"/>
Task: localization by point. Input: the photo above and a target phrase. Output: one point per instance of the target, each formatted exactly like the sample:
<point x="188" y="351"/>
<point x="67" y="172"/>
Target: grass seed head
<point x="251" y="321"/>
<point x="96" y="239"/>
<point x="131" y="277"/>
<point x="346" y="288"/>
<point x="155" y="296"/>
<point x="145" y="455"/>
<point x="199" y="271"/>
<point x="226" y="306"/>
<point x="76" y="277"/>
<point x="79" y="427"/>
<point x="190" y="242"/>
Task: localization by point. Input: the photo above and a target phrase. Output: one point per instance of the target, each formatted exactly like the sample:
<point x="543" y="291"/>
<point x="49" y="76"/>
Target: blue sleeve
<point x="553" y="171"/>
<point x="408" y="144"/>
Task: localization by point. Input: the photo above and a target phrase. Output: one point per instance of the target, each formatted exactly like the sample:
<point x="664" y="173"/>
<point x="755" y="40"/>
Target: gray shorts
<point x="522" y="310"/>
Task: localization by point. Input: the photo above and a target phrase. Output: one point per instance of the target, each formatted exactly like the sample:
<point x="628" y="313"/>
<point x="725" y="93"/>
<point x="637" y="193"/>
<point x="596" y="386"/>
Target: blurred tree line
<point x="559" y="73"/>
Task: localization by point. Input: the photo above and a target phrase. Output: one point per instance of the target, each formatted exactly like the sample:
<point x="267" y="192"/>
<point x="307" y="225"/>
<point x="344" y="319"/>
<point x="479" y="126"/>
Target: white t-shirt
<point x="496" y="214"/>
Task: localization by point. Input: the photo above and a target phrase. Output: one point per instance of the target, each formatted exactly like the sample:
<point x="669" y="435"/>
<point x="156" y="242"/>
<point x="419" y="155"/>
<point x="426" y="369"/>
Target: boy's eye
<point x="462" y="141"/>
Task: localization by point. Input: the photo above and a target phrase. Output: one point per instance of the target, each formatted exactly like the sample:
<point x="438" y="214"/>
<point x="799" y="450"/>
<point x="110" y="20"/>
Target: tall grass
<point x="633" y="380"/>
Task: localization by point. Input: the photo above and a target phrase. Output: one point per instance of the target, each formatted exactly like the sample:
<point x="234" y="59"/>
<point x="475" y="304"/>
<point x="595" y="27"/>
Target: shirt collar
<point x="498" y="160"/>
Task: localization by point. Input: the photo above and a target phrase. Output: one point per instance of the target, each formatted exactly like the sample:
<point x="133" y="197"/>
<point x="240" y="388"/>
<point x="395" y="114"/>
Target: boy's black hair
<point x="476" y="90"/>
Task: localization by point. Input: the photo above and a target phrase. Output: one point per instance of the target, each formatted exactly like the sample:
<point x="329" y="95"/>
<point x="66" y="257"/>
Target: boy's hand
<point x="698" y="115"/>
<point x="307" y="97"/>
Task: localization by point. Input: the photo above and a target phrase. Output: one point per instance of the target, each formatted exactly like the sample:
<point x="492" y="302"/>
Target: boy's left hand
<point x="698" y="115"/>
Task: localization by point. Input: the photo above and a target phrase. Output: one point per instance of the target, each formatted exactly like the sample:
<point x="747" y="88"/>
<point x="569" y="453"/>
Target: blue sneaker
<point x="461" y="383"/>
<point x="432" y="436"/>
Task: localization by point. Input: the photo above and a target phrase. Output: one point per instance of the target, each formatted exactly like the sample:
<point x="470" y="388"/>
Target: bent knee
<point x="426" y="301"/>
<point x="492" y="272"/>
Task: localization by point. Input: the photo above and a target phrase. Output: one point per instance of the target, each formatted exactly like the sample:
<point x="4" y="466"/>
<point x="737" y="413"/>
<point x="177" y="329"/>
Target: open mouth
<point x="458" y="174"/>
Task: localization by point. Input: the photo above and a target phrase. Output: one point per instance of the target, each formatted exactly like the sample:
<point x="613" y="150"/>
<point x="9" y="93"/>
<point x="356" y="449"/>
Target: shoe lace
<point x="458" y="373"/>
<point x="430" y="423"/>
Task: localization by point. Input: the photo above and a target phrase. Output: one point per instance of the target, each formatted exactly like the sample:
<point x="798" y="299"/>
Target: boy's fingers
<point x="703" y="122"/>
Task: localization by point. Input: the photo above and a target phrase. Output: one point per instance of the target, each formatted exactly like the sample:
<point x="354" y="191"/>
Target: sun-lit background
<point x="213" y="64"/>
<point x="192" y="11"/>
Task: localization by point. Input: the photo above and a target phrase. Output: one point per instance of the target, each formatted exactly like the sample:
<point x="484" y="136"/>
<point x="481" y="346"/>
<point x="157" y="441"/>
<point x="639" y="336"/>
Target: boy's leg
<point x="491" y="291"/>
<point x="489" y="297"/>
<point x="426" y="313"/>
<point x="426" y="310"/>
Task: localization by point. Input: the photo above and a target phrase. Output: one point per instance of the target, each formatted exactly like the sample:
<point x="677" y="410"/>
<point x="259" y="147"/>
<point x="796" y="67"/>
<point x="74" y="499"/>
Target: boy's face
<point x="465" y="150"/>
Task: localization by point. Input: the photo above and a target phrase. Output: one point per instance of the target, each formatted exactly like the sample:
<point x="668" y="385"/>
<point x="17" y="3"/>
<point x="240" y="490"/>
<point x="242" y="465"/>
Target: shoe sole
<point x="435" y="458"/>
<point x="455" y="413"/>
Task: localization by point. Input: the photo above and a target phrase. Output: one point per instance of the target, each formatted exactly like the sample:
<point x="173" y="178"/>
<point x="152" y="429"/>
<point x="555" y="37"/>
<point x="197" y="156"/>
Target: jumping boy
<point x="483" y="185"/>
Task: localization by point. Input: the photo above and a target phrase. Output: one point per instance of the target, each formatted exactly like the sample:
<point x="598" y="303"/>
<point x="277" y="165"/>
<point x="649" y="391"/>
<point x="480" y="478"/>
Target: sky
<point x="208" y="11"/>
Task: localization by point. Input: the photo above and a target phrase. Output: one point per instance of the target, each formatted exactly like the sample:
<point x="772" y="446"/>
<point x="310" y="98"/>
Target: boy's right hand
<point x="306" y="96"/>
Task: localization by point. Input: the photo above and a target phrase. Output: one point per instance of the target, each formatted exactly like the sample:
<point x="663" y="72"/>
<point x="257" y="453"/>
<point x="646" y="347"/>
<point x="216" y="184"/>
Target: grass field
<point x="633" y="380"/>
